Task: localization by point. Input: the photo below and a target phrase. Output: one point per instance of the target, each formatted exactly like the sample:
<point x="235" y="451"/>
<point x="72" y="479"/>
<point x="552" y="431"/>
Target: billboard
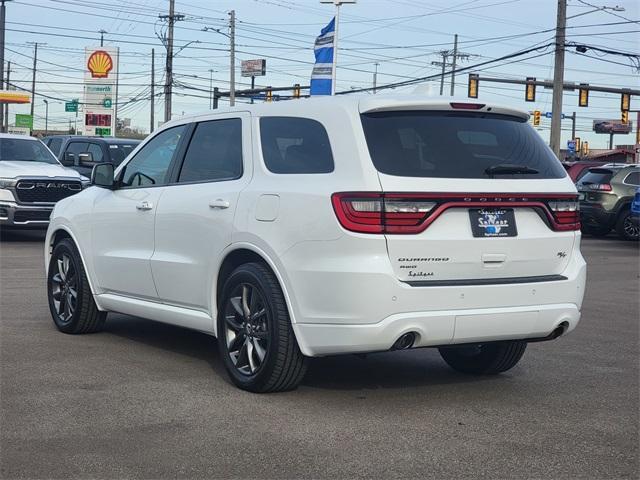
<point x="253" y="68"/>
<point x="100" y="90"/>
<point x="612" y="126"/>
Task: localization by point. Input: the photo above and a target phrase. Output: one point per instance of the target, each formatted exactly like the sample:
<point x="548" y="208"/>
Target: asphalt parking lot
<point x="146" y="400"/>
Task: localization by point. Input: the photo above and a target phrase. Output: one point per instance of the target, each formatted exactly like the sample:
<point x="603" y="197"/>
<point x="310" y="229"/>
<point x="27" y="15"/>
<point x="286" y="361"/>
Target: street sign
<point x="571" y="146"/>
<point x="71" y="106"/>
<point x="24" y="120"/>
<point x="106" y="103"/>
<point x="548" y="114"/>
<point x="253" y="68"/>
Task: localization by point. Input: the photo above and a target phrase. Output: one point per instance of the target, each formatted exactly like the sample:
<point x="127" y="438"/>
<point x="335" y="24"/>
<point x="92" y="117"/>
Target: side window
<point x="214" y="153"/>
<point x="151" y="164"/>
<point x="96" y="151"/>
<point x="54" y="145"/>
<point x="295" y="145"/>
<point x="77" y="147"/>
<point x="633" y="179"/>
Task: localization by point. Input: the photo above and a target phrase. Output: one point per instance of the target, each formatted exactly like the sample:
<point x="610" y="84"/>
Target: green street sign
<point x="71" y="107"/>
<point x="24" y="120"/>
<point x="103" y="132"/>
<point x="107" y="103"/>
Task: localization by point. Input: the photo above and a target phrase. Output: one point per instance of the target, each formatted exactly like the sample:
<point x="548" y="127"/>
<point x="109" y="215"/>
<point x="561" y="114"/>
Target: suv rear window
<point x="295" y="145"/>
<point x="455" y="145"/>
<point x="597" y="176"/>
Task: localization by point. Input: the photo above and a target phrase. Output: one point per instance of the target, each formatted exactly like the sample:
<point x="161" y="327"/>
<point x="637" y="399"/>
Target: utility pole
<point x="153" y="91"/>
<point x="455" y="56"/>
<point x="443" y="64"/>
<point x="33" y="78"/>
<point x="232" y="58"/>
<point x="5" y="127"/>
<point x="102" y="32"/>
<point x="3" y="12"/>
<point x="211" y="89"/>
<point x="558" y="78"/>
<point x="46" y="116"/>
<point x="172" y="18"/>
<point x="375" y="77"/>
<point x="573" y="125"/>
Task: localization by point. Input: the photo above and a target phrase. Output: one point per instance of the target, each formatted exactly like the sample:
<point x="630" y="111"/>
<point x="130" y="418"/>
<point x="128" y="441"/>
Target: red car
<point x="577" y="169"/>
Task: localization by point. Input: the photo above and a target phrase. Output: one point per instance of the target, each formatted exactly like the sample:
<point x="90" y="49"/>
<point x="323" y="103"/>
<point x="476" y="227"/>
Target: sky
<point x="403" y="37"/>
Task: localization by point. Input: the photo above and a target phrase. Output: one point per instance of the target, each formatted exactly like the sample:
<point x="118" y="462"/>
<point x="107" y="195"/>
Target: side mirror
<point x="102" y="175"/>
<point x="86" y="159"/>
<point x="68" y="159"/>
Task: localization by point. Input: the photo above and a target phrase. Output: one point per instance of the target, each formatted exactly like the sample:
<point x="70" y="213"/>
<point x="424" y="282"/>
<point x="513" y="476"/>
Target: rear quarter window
<point x="445" y="144"/>
<point x="293" y="145"/>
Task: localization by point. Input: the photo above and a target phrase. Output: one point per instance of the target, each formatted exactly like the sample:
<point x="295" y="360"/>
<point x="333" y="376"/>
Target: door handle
<point x="219" y="204"/>
<point x="144" y="205"/>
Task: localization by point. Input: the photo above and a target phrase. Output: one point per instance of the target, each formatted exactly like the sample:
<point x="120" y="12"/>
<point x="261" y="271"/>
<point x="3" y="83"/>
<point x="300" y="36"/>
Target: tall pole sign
<point x="337" y="3"/>
<point x="100" y="91"/>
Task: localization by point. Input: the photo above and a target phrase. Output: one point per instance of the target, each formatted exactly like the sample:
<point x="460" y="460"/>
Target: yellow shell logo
<point x="100" y="64"/>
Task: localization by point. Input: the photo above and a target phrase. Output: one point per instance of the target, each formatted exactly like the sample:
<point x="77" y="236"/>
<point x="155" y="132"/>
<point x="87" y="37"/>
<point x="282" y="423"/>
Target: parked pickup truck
<point x="82" y="153"/>
<point x="31" y="182"/>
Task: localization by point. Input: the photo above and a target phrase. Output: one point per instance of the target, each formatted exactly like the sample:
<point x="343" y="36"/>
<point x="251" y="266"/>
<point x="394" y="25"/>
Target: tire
<point x="484" y="358"/>
<point x="66" y="275"/>
<point x="255" y="337"/>
<point x="625" y="227"/>
<point x="596" y="231"/>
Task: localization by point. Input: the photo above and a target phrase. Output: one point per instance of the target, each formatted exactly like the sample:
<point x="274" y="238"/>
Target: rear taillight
<point x="602" y="187"/>
<point x="398" y="213"/>
<point x="566" y="214"/>
<point x="380" y="213"/>
<point x="466" y="106"/>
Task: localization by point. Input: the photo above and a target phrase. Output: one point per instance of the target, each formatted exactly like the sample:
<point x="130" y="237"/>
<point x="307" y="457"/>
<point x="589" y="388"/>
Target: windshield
<point x="25" y="150"/>
<point x="119" y="152"/>
<point x="447" y="144"/>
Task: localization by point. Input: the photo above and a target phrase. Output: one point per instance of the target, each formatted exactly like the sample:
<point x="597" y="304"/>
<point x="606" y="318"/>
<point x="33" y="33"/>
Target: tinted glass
<point x="455" y="145"/>
<point x="77" y="147"/>
<point x="597" y="175"/>
<point x="14" y="149"/>
<point x="55" y="144"/>
<point x="214" y="153"/>
<point x="295" y="145"/>
<point x="96" y="151"/>
<point x="120" y="151"/>
<point x="151" y="164"/>
<point x="633" y="178"/>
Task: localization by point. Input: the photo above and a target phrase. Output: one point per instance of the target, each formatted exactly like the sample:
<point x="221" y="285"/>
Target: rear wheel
<point x="625" y="226"/>
<point x="484" y="358"/>
<point x="256" y="340"/>
<point x="70" y="299"/>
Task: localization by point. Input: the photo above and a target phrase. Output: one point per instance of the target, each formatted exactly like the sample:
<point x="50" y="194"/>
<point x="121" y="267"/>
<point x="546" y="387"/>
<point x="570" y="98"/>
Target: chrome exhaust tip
<point x="405" y="341"/>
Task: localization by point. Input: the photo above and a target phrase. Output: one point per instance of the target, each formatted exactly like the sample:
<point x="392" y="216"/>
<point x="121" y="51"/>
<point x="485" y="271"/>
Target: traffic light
<point x="269" y="94"/>
<point x="583" y="95"/>
<point x="472" y="89"/>
<point x="625" y="102"/>
<point x="625" y="116"/>
<point x="585" y="149"/>
<point x="578" y="144"/>
<point x="530" y="90"/>
<point x="536" y="118"/>
<point x="296" y="90"/>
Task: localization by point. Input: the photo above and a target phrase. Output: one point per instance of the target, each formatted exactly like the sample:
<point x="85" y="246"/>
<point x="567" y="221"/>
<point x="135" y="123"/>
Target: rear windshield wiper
<point x="508" y="169"/>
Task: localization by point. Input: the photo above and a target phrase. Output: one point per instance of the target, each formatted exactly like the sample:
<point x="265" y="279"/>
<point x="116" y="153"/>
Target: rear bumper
<point x="22" y="216"/>
<point x="438" y="328"/>
<point x="596" y="216"/>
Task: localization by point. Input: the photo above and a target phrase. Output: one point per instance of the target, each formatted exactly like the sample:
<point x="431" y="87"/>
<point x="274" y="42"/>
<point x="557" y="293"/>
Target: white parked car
<point x="31" y="181"/>
<point x="329" y="226"/>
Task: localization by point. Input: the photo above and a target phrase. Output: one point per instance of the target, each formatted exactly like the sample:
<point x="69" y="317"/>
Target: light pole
<point x="46" y="116"/>
<point x="232" y="54"/>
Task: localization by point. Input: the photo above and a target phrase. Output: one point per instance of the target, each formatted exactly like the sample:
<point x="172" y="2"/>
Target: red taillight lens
<point x="602" y="187"/>
<point x="380" y="213"/>
<point x="566" y="214"/>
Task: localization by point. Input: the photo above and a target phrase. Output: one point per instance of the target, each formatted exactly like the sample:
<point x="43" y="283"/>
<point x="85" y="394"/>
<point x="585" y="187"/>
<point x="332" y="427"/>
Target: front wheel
<point x="70" y="299"/>
<point x="256" y="340"/>
<point x="484" y="358"/>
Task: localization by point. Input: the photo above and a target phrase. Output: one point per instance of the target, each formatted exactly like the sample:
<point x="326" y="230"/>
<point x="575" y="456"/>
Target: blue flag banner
<point x="322" y="74"/>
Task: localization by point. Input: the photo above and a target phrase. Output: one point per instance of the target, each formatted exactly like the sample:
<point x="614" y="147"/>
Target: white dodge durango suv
<point x="328" y="226"/>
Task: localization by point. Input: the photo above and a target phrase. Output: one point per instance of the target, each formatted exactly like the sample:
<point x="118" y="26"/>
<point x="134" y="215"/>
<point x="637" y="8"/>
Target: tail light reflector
<point x="602" y="187"/>
<point x="566" y="214"/>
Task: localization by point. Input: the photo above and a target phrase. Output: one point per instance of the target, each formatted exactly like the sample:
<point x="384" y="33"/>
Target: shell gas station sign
<point x="100" y="90"/>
